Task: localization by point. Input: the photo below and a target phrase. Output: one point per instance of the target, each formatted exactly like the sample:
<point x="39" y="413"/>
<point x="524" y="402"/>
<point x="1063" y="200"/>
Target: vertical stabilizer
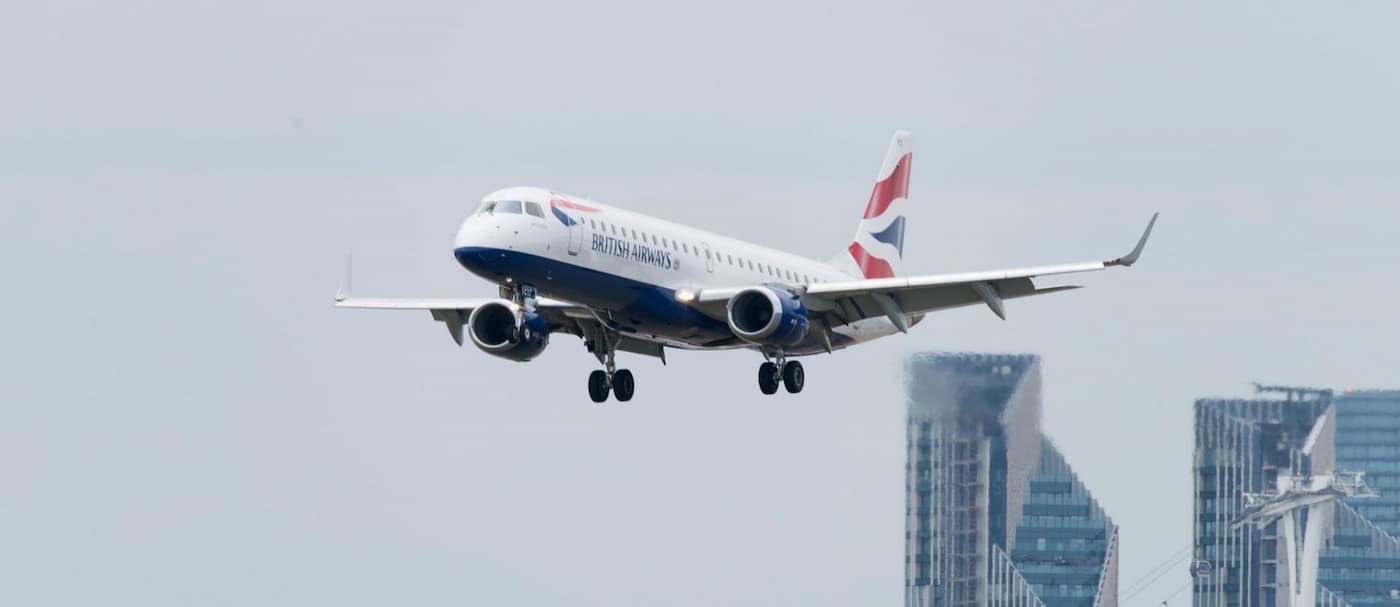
<point x="878" y="246"/>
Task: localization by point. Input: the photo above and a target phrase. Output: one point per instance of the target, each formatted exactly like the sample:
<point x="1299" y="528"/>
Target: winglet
<point x="343" y="292"/>
<point x="1132" y="257"/>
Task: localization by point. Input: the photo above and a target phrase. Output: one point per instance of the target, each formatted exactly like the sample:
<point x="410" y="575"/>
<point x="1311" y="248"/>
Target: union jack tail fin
<point x="878" y="246"/>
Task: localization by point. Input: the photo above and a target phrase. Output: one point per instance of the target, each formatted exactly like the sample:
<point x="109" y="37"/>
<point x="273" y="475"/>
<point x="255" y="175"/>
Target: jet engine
<point x="502" y="328"/>
<point x="768" y="316"/>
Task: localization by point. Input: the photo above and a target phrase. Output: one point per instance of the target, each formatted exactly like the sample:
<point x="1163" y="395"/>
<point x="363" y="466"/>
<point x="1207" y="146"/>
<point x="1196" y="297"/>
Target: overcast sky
<point x="185" y="419"/>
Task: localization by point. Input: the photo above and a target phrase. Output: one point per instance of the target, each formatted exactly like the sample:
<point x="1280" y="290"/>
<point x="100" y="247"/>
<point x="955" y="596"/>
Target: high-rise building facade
<point x="1368" y="440"/>
<point x="994" y="514"/>
<point x="1362" y="564"/>
<point x="1243" y="446"/>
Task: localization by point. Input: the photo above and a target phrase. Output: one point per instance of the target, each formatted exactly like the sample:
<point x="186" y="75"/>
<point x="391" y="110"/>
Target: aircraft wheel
<point x="623" y="385"/>
<point x="598" y="386"/>
<point x="793" y="376"/>
<point x="768" y="378"/>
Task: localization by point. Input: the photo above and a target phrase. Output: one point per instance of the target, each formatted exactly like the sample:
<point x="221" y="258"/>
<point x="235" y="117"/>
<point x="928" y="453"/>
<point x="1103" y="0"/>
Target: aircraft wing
<point x="898" y="298"/>
<point x="454" y="311"/>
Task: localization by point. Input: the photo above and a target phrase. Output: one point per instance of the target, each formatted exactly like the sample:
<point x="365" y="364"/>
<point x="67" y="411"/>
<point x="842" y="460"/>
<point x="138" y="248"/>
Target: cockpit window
<point x="508" y="206"/>
<point x="533" y="208"/>
<point x="486" y="207"/>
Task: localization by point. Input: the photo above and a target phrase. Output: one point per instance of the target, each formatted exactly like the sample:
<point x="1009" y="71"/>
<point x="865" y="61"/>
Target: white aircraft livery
<point x="623" y="281"/>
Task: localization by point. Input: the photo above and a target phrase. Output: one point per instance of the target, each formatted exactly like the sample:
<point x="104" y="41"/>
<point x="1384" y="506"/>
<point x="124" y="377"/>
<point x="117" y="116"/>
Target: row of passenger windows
<point x="518" y="207"/>
<point x="492" y="207"/>
<point x="690" y="249"/>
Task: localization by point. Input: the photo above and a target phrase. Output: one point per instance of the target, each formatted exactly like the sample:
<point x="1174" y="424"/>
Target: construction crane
<point x="1294" y="392"/>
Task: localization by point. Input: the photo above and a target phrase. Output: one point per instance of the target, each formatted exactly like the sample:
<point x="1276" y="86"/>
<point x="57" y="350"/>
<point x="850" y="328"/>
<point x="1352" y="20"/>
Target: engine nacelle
<point x="768" y="316"/>
<point x="498" y="329"/>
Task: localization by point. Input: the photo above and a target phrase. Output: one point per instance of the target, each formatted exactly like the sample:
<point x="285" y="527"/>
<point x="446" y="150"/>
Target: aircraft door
<point x="709" y="258"/>
<point x="575" y="235"/>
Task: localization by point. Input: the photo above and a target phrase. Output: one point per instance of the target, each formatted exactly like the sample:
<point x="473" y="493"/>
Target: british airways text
<point x="639" y="253"/>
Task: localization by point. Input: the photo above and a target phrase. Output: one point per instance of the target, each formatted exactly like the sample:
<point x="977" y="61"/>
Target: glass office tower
<point x="1362" y="564"/>
<point x="1242" y="446"/>
<point x="1368" y="439"/>
<point x="994" y="515"/>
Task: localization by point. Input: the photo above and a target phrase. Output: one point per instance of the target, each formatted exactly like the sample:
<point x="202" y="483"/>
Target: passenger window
<point x="731" y="258"/>
<point x="684" y="246"/>
<point x="614" y="229"/>
<point x="533" y="208"/>
<point x="707" y="253"/>
<point x="664" y="243"/>
<point x="634" y="235"/>
<point x="593" y="223"/>
<point x="750" y="265"/>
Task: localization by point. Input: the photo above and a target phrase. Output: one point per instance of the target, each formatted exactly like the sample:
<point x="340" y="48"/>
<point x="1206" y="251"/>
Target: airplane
<point x="624" y="281"/>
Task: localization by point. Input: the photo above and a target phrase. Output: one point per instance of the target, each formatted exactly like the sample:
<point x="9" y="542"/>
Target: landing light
<point x="685" y="295"/>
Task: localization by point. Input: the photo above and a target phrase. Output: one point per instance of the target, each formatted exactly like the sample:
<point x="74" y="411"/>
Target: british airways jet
<point x="624" y="281"/>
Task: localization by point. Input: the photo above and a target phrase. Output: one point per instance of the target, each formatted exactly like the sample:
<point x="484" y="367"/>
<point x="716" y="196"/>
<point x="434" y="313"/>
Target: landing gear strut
<point x="789" y="373"/>
<point x="609" y="379"/>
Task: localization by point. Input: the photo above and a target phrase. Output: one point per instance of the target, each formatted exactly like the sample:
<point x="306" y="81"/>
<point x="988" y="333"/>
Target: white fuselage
<point x="634" y="270"/>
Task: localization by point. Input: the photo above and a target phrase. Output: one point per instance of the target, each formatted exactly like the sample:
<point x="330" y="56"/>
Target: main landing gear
<point x="611" y="379"/>
<point x="789" y="373"/>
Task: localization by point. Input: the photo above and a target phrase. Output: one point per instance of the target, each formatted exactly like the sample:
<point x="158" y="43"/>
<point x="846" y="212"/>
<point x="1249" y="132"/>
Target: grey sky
<point x="184" y="419"/>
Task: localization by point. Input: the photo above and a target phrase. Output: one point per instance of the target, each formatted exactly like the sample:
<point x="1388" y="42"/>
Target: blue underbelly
<point x="633" y="306"/>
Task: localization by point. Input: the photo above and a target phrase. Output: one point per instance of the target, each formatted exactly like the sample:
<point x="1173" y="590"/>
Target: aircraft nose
<point x="466" y="235"/>
<point x="472" y="248"/>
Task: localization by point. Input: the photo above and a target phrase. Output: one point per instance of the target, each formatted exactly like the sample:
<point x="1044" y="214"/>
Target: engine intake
<point x="501" y="328"/>
<point x="768" y="316"/>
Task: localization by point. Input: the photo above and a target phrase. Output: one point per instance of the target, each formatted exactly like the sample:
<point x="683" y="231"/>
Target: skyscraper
<point x="1368" y="439"/>
<point x="1242" y="447"/>
<point x="1362" y="564"/>
<point x="994" y="514"/>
